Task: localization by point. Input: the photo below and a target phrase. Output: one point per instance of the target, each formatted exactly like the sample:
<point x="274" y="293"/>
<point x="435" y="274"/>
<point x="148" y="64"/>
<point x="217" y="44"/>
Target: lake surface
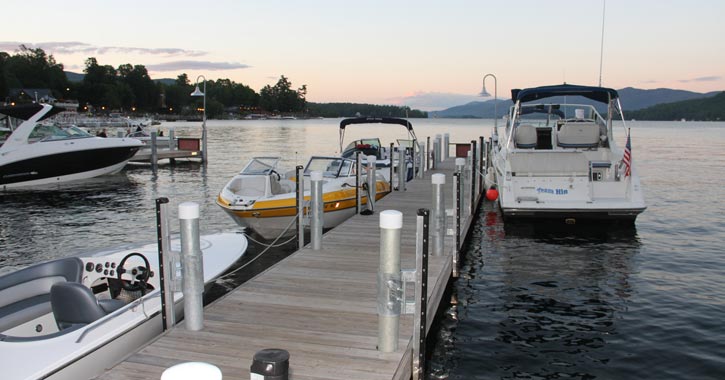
<point x="532" y="303"/>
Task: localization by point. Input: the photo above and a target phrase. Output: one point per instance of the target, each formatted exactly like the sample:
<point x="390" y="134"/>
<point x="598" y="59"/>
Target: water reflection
<point x="536" y="301"/>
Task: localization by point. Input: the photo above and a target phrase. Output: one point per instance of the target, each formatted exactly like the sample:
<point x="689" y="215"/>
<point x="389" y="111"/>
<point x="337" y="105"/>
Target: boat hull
<point x="63" y="167"/>
<point x="273" y="219"/>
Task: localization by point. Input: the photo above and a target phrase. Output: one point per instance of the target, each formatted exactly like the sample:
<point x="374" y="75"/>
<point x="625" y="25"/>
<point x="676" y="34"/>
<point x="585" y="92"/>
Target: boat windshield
<point x="44" y="132"/>
<point x="368" y="147"/>
<point x="330" y="167"/>
<point x="261" y="165"/>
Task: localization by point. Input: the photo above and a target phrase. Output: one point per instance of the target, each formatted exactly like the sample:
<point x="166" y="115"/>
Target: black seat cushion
<point x="73" y="303"/>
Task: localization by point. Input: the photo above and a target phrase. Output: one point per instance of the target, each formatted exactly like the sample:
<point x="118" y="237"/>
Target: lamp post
<point x="495" y="97"/>
<point x="197" y="92"/>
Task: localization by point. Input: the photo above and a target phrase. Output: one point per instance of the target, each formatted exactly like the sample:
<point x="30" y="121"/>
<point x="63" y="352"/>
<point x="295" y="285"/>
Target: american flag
<point x="627" y="159"/>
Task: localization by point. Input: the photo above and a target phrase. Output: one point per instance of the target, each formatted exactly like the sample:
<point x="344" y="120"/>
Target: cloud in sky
<point x="74" y="47"/>
<point x="433" y="101"/>
<point x="713" y="78"/>
<point x="196" y="65"/>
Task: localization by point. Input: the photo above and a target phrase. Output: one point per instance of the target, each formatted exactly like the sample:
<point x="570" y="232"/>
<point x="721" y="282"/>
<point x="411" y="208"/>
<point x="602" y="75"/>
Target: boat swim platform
<point x="320" y="306"/>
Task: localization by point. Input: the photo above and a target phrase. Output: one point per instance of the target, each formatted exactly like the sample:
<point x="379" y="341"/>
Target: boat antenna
<point x="601" y="52"/>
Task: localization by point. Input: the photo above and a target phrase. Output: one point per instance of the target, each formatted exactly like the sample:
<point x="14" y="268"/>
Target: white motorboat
<point x="36" y="154"/>
<point x="384" y="157"/>
<point x="262" y="199"/>
<point x="72" y="318"/>
<point x="561" y="161"/>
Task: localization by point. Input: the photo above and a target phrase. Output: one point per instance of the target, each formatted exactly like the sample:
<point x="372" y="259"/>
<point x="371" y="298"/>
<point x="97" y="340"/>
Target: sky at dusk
<point x="424" y="54"/>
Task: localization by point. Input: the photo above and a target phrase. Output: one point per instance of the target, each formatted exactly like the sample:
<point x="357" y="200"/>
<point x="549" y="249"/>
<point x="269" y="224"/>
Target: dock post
<point x="166" y="264"/>
<point x="193" y="267"/>
<point x="402" y="170"/>
<point x="172" y="139"/>
<point x="318" y="210"/>
<point x="434" y="156"/>
<point x="420" y="322"/>
<point x="460" y="165"/>
<point x="154" y="153"/>
<point x="389" y="280"/>
<point x="472" y="179"/>
<point x="457" y="201"/>
<point x="358" y="183"/>
<point x="300" y="203"/>
<point x="427" y="156"/>
<point x="481" y="169"/>
<point x="446" y="145"/>
<point x="271" y="364"/>
<point x="438" y="150"/>
<point x="371" y="180"/>
<point x="439" y="213"/>
<point x="421" y="164"/>
<point x="390" y="157"/>
<point x="414" y="156"/>
<point x="474" y="174"/>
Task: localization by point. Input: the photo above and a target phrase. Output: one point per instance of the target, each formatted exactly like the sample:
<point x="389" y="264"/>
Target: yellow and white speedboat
<point x="262" y="199"/>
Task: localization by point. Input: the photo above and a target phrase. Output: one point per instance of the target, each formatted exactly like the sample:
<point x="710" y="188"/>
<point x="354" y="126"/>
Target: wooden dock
<point x="318" y="305"/>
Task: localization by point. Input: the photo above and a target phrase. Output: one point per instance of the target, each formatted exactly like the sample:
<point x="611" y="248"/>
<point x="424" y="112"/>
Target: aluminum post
<point x="439" y="213"/>
<point x="481" y="169"/>
<point x="470" y="173"/>
<point x="414" y="156"/>
<point x="193" y="266"/>
<point x="446" y="145"/>
<point x="300" y="203"/>
<point x="389" y="280"/>
<point x="460" y="165"/>
<point x="318" y="209"/>
<point x="402" y="170"/>
<point x="434" y="158"/>
<point x="421" y="161"/>
<point x="371" y="180"/>
<point x="474" y="172"/>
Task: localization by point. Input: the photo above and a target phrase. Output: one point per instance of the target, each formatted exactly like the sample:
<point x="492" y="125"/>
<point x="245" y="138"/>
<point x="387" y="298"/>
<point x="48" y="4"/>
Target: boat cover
<point x="599" y="94"/>
<point x="373" y="120"/>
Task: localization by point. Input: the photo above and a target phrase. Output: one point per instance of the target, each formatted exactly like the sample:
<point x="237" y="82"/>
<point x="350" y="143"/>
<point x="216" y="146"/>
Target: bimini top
<point x="373" y="120"/>
<point x="26" y="111"/>
<point x="599" y="94"/>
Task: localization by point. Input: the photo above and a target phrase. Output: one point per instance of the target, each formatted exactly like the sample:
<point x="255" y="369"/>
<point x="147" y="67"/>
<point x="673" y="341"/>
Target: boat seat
<point x="525" y="136"/>
<point x="74" y="304"/>
<point x="578" y="135"/>
<point x="25" y="294"/>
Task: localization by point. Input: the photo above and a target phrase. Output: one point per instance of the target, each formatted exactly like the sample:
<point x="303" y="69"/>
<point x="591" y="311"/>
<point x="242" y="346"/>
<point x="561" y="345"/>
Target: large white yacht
<point x="560" y="161"/>
<point x="36" y="154"/>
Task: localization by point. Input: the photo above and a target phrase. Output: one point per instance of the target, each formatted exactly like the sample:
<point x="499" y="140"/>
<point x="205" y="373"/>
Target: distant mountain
<point x="631" y="98"/>
<point x="711" y="108"/>
<point x="74" y="77"/>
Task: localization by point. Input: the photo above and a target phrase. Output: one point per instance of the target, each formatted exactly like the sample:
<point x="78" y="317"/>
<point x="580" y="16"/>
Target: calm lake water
<point x="532" y="303"/>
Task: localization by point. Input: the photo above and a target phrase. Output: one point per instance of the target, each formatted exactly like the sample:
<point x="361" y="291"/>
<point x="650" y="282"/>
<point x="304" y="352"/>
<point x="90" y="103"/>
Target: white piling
<point x="154" y="153"/>
<point x="300" y="193"/>
<point x="172" y="139"/>
<point x="193" y="266"/>
<point x="318" y="209"/>
<point x="192" y="371"/>
<point x="389" y="280"/>
<point x="438" y="213"/>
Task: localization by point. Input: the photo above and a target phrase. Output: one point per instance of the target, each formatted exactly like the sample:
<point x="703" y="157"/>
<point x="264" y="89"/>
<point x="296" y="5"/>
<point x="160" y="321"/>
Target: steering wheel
<point x="139" y="275"/>
<point x="272" y="171"/>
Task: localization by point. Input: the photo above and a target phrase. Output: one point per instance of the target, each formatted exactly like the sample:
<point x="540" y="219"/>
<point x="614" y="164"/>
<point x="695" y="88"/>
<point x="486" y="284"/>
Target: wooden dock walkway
<point x="318" y="305"/>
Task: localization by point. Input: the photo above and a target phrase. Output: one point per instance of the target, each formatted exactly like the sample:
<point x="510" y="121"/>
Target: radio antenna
<point x="601" y="52"/>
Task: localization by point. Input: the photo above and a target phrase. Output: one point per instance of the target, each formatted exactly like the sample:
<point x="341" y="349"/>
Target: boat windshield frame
<point x="49" y="132"/>
<point x="331" y="167"/>
<point x="260" y="166"/>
